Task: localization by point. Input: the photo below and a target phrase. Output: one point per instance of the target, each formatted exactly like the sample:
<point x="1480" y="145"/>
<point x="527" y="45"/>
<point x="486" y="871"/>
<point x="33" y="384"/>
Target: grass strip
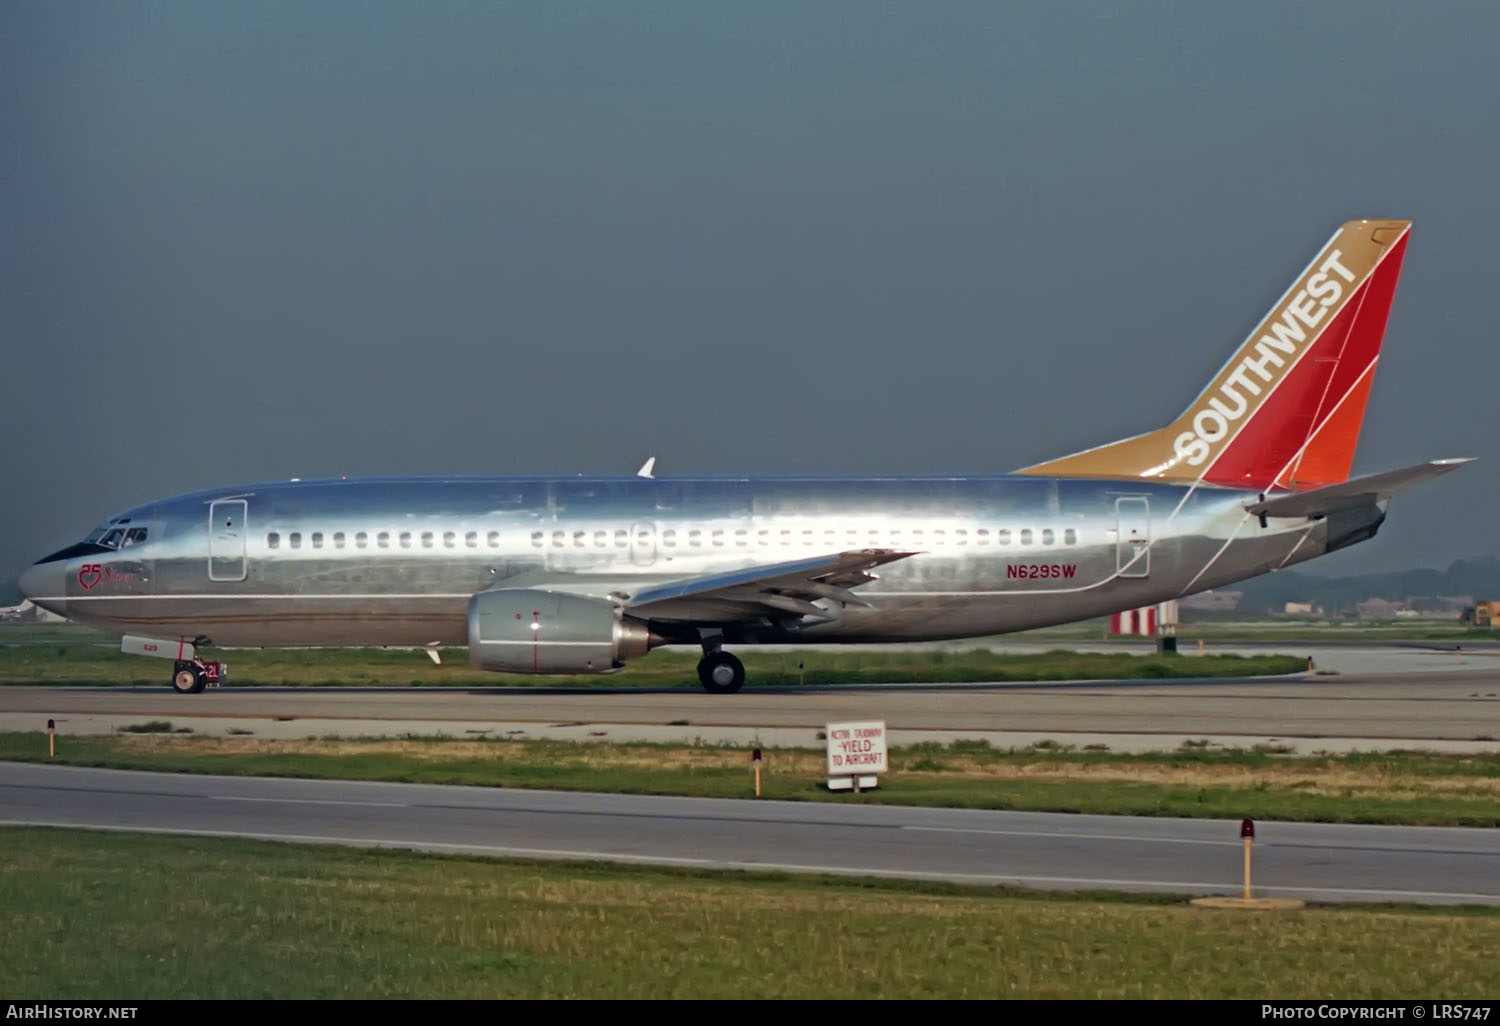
<point x="74" y="664"/>
<point x="120" y="916"/>
<point x="1410" y="788"/>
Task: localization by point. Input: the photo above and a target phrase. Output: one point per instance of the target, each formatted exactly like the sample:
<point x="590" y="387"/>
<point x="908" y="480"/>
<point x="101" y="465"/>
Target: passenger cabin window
<point x="669" y="537"/>
<point x="982" y="536"/>
<point x="426" y="539"/>
<point x="296" y="539"/>
<point x="537" y="539"/>
<point x="338" y="539"/>
<point x="494" y="539"/>
<point x="383" y="539"/>
<point x="1070" y="537"/>
<point x="1025" y="536"/>
<point x="601" y="539"/>
<point x="1047" y="536"/>
<point x="580" y="539"/>
<point x="273" y="540"/>
<point x="1002" y="536"/>
<point x="317" y="539"/>
<point x="449" y="539"/>
<point x="960" y="537"/>
<point x="406" y="539"/>
<point x="695" y="538"/>
<point x="622" y="539"/>
<point x="559" y="538"/>
<point x="471" y="539"/>
<point x="360" y="539"/>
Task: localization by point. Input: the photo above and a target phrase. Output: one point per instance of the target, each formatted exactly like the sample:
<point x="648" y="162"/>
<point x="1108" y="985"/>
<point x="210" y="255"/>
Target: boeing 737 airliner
<point x="580" y="575"/>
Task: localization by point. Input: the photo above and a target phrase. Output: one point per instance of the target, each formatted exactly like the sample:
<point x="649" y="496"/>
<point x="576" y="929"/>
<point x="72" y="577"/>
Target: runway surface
<point x="1453" y="706"/>
<point x="1037" y="850"/>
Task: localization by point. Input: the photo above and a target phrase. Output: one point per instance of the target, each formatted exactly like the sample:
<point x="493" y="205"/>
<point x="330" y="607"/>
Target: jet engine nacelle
<point x="520" y="630"/>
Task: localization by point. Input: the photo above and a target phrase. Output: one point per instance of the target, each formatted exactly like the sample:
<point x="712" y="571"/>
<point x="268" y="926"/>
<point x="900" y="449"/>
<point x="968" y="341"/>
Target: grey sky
<point x="257" y="240"/>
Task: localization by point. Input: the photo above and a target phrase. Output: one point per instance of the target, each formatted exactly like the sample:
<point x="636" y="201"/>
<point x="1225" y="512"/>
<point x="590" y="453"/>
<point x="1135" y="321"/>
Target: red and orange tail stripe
<point x="1286" y="410"/>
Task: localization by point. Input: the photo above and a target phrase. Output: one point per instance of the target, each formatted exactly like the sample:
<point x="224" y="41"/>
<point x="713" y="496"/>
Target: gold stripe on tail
<point x="1281" y="397"/>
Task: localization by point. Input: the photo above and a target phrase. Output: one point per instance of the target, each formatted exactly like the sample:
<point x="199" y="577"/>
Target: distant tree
<point x="1478" y="576"/>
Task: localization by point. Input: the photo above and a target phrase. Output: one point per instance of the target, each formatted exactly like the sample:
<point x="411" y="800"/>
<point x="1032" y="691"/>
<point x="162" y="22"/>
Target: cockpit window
<point x="113" y="535"/>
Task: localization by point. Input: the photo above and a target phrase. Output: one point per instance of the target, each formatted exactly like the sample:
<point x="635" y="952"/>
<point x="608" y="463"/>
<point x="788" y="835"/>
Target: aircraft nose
<point x="41" y="579"/>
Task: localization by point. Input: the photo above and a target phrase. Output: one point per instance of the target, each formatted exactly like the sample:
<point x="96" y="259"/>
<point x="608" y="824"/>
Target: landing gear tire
<point x="187" y="679"/>
<point x="721" y="673"/>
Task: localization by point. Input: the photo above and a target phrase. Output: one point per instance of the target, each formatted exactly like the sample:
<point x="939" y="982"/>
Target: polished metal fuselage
<point x="395" y="561"/>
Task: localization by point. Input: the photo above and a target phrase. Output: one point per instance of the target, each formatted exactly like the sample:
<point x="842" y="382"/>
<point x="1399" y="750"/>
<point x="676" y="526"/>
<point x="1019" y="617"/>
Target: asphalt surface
<point x="1455" y="710"/>
<point x="1037" y="850"/>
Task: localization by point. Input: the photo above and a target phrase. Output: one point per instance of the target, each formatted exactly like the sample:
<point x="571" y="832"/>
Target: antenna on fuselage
<point x="648" y="469"/>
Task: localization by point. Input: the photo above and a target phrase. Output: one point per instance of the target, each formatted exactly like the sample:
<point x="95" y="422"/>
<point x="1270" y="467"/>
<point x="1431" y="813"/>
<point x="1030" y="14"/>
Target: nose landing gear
<point x="191" y="676"/>
<point x="187" y="679"/>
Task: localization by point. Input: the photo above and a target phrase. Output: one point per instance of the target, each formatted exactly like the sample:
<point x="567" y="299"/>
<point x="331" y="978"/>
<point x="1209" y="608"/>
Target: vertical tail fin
<point x="1287" y="408"/>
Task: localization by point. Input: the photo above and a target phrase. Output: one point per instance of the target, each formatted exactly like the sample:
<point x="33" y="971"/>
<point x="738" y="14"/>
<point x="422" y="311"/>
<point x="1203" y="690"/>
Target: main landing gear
<point x="720" y="672"/>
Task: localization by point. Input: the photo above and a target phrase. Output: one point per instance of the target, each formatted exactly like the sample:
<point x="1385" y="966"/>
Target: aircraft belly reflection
<point x="580" y="575"/>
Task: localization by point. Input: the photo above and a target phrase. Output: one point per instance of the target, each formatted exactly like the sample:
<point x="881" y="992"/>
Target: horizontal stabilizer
<point x="1361" y="491"/>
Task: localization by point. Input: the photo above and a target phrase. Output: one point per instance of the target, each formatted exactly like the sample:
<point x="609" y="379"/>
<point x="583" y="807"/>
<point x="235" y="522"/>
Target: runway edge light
<point x="1247" y="903"/>
<point x="1247" y="834"/>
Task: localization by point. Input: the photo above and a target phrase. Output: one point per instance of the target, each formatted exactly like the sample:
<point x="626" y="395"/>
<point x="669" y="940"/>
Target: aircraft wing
<point x="775" y="589"/>
<point x="1359" y="491"/>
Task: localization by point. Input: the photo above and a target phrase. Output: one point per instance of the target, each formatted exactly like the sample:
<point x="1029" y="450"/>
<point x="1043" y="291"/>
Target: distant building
<point x="27" y="612"/>
<point x="1379" y="609"/>
<point x="1440" y="605"/>
<point x="1212" y="601"/>
<point x="1300" y="609"/>
<point x="1483" y="614"/>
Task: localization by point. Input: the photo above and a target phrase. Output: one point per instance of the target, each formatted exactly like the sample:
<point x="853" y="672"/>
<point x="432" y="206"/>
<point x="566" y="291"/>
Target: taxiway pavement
<point x="1322" y="862"/>
<point x="1357" y="698"/>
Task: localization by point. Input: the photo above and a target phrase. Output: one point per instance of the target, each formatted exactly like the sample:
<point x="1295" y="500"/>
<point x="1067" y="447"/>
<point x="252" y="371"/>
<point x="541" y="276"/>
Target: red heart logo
<point x="89" y="575"/>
